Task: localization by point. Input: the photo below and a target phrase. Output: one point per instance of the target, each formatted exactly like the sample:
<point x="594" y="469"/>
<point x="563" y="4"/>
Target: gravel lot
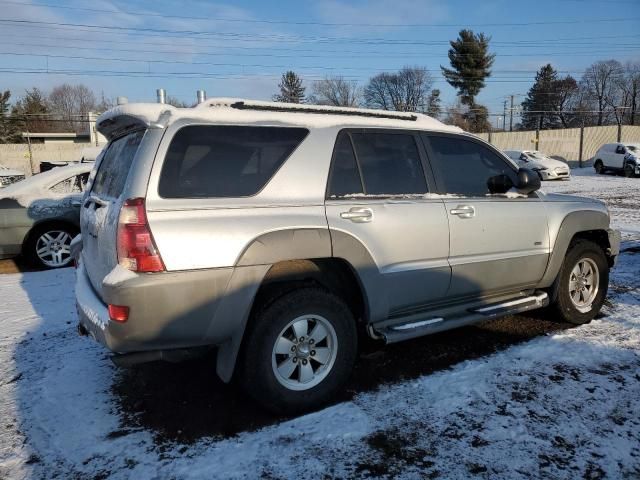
<point x="518" y="397"/>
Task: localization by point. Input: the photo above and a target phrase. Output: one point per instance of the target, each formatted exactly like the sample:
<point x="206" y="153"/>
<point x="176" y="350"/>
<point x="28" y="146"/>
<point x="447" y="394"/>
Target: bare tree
<point x="601" y="81"/>
<point x="630" y="87"/>
<point x="336" y="91"/>
<point x="405" y="91"/>
<point x="70" y="102"/>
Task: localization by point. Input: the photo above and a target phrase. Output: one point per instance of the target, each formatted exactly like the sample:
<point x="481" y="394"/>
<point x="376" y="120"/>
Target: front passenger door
<point x="498" y="243"/>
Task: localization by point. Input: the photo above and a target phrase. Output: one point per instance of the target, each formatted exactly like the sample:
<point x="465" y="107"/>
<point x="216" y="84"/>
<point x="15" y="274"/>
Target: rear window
<point x="115" y="165"/>
<point x="225" y="161"/>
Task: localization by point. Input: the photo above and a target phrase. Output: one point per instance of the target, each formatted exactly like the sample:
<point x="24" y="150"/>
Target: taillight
<point x="136" y="249"/>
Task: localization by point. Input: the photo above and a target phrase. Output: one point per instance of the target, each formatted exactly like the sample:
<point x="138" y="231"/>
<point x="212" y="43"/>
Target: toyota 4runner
<point x="280" y="233"/>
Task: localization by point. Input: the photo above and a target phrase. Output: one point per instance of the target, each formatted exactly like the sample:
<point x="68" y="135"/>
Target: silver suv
<point x="278" y="233"/>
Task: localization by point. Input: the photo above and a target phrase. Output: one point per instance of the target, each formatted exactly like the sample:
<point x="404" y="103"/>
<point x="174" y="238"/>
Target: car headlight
<point x="539" y="169"/>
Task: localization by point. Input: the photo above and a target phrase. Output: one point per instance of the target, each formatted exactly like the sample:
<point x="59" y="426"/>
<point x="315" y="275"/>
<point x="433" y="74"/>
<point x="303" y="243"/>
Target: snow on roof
<point x="235" y="110"/>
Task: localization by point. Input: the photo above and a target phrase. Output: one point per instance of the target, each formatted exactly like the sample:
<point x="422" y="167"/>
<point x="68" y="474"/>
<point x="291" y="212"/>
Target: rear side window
<point x="465" y="166"/>
<point x="385" y="164"/>
<point x="115" y="165"/>
<point x="225" y="161"/>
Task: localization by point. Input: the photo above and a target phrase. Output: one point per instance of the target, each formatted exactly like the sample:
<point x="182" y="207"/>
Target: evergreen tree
<point x="538" y="109"/>
<point x="8" y="130"/>
<point x="291" y="89"/>
<point x="470" y="65"/>
<point x="434" y="107"/>
<point x="31" y="112"/>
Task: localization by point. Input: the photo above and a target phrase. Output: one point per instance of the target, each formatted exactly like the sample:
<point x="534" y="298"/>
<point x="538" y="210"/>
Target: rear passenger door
<point x="378" y="194"/>
<point x="498" y="243"/>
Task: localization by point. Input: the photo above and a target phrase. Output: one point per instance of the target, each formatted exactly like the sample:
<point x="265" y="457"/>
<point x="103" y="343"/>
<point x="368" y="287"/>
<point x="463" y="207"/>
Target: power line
<point x="325" y="24"/>
<point x="235" y="35"/>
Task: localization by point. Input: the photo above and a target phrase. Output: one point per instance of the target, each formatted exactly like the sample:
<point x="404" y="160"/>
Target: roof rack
<point x="321" y="109"/>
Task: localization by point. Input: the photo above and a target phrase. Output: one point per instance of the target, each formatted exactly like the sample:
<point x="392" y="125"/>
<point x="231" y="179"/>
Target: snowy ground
<point x="563" y="404"/>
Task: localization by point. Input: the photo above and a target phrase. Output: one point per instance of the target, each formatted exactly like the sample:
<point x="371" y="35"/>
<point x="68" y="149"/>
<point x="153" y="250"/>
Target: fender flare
<point x="573" y="223"/>
<point x="294" y="244"/>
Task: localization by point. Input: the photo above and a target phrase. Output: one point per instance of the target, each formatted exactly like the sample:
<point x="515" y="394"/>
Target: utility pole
<point x="504" y="116"/>
<point x="511" y="115"/>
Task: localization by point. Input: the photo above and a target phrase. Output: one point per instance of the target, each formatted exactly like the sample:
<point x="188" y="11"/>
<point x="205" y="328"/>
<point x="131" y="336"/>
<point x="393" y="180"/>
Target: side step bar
<point x="419" y="325"/>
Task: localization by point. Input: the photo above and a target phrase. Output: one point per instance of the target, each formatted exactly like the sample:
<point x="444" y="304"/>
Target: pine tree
<point x="291" y="89"/>
<point x="470" y="65"/>
<point x="538" y="109"/>
<point x="31" y="112"/>
<point x="8" y="130"/>
<point x="434" y="107"/>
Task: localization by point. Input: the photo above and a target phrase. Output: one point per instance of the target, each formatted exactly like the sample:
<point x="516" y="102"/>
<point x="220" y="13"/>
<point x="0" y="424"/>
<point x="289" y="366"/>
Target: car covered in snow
<point x="280" y="234"/>
<point x="619" y="158"/>
<point x="40" y="215"/>
<point x="548" y="168"/>
<point x="9" y="176"/>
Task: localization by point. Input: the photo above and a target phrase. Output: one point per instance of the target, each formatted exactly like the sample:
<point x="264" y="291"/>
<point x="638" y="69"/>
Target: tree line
<point x="607" y="93"/>
<point x="61" y="110"/>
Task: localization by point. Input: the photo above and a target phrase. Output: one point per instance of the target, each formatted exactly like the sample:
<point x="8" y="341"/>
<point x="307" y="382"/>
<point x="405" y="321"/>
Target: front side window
<point x="345" y="178"/>
<point x="205" y="161"/>
<point x="465" y="166"/>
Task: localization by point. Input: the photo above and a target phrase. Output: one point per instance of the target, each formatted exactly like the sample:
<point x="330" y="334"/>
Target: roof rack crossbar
<point x="325" y="111"/>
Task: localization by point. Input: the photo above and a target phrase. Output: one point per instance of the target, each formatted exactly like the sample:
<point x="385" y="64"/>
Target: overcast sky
<point x="240" y="48"/>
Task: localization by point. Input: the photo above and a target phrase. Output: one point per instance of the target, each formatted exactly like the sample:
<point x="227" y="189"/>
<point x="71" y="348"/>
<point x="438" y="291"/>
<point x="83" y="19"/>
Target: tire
<point x="285" y="373"/>
<point x="571" y="305"/>
<point x="48" y="246"/>
<point x="599" y="166"/>
<point x="629" y="171"/>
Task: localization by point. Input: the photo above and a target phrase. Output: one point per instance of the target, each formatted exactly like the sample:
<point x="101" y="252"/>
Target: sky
<point x="240" y="49"/>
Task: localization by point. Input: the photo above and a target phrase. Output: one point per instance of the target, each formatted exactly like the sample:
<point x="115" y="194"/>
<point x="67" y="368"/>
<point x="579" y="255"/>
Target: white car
<point x="548" y="168"/>
<point x="9" y="176"/>
<point x="618" y="157"/>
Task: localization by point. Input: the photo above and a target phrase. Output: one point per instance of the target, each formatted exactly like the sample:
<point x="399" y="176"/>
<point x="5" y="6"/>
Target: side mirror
<point x="528" y="181"/>
<point x="499" y="184"/>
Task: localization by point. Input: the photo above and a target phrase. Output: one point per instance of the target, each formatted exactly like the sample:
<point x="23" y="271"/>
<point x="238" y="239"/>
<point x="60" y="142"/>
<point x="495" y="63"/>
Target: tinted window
<point x="390" y="164"/>
<point x="465" y="166"/>
<point x="115" y="165"/>
<point x="345" y="178"/>
<point x="225" y="161"/>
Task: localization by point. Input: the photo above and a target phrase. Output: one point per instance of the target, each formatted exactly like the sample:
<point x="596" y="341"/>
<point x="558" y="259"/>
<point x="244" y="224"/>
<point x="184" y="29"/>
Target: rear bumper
<point x="166" y="310"/>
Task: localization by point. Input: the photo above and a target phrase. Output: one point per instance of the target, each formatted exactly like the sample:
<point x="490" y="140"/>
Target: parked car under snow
<point x="547" y="168"/>
<point x="40" y="216"/>
<point x="9" y="176"/>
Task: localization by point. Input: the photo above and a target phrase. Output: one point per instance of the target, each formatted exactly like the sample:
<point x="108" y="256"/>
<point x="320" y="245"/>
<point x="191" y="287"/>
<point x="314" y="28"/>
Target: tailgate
<point x="101" y="208"/>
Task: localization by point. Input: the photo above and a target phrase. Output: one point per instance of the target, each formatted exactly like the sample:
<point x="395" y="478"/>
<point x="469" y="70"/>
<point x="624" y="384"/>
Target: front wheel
<point x="299" y="351"/>
<point x="582" y="283"/>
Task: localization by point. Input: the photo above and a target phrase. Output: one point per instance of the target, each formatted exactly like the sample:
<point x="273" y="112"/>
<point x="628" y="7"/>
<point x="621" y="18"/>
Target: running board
<point x="415" y="326"/>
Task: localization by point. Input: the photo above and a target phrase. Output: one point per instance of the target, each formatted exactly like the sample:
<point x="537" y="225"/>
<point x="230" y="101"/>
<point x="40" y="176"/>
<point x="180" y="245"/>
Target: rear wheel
<point x="49" y="246"/>
<point x="299" y="352"/>
<point x="599" y="166"/>
<point x="582" y="283"/>
<point x="629" y="171"/>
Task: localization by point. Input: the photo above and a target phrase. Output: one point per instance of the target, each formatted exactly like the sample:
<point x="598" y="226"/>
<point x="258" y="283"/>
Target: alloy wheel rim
<point x="54" y="248"/>
<point x="584" y="283"/>
<point x="304" y="352"/>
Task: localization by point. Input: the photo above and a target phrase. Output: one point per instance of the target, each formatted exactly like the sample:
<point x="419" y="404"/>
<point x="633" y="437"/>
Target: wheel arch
<point x="48" y="222"/>
<point x="587" y="224"/>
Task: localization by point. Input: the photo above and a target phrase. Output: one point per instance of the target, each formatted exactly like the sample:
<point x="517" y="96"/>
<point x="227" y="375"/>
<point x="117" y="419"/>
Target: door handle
<point x="464" y="211"/>
<point x="358" y="215"/>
